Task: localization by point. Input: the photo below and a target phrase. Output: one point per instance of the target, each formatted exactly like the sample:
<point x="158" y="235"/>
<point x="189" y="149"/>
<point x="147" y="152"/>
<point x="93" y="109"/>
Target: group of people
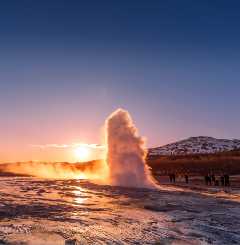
<point x="172" y="178"/>
<point x="210" y="179"/>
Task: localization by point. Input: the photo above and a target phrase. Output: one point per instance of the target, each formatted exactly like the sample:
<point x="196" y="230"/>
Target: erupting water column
<point x="126" y="152"/>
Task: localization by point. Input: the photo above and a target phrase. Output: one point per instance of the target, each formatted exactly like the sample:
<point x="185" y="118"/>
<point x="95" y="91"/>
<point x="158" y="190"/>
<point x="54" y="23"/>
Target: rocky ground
<point x="54" y="212"/>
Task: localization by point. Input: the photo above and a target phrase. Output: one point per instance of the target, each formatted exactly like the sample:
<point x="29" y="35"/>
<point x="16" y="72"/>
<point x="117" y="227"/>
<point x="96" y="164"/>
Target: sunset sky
<point x="66" y="65"/>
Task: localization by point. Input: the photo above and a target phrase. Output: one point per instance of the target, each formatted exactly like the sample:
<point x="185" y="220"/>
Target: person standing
<point x="170" y="178"/>
<point x="206" y="179"/>
<point x="174" y="178"/>
<point x="222" y="180"/>
<point x="209" y="179"/>
<point x="226" y="180"/>
<point x="186" y="178"/>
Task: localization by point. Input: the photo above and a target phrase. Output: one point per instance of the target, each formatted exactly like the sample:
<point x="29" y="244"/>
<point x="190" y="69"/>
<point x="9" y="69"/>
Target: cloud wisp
<point x="70" y="146"/>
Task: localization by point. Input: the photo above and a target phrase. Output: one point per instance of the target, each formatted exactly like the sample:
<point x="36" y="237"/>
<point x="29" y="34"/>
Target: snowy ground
<point x="53" y="212"/>
<point x="196" y="145"/>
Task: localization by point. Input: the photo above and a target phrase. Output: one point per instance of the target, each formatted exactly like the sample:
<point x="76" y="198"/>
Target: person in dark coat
<point x="209" y="179"/>
<point x="174" y="178"/>
<point x="186" y="178"/>
<point x="206" y="179"/>
<point x="226" y="180"/>
<point x="170" y="177"/>
<point x="222" y="180"/>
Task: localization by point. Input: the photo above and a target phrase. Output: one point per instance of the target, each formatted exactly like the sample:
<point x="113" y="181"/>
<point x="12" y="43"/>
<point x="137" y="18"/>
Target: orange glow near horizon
<point x="82" y="153"/>
<point x="62" y="152"/>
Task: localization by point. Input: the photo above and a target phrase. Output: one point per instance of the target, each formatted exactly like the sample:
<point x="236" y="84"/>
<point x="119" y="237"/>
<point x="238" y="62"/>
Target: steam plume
<point x="126" y="152"/>
<point x="90" y="170"/>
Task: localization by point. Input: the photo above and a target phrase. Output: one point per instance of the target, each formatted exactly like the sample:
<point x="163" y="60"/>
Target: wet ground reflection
<point x="34" y="211"/>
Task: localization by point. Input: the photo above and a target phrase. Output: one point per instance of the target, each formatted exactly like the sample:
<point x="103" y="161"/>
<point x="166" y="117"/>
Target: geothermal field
<point x="56" y="212"/>
<point x="117" y="202"/>
<point x="119" y="122"/>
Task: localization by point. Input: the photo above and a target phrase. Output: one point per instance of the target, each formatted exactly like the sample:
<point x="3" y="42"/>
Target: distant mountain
<point x="196" y="145"/>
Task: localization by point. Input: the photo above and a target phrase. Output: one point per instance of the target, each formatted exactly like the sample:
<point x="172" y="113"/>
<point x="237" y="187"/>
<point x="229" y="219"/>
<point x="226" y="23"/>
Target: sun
<point x="82" y="153"/>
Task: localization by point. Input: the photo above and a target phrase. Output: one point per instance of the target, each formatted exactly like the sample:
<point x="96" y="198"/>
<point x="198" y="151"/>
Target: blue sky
<point x="66" y="65"/>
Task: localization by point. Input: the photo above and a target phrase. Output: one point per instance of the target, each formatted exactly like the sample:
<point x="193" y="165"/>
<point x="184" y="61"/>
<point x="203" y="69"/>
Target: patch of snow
<point x="196" y="145"/>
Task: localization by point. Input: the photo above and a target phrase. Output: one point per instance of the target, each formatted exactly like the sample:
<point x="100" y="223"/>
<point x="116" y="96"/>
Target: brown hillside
<point x="197" y="164"/>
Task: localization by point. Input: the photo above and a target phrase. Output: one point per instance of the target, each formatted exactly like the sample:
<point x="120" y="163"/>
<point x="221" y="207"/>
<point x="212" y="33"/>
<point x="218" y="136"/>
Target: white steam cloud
<point x="126" y="152"/>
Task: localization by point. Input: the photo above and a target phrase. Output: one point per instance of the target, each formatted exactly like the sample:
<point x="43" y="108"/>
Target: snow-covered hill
<point x="196" y="145"/>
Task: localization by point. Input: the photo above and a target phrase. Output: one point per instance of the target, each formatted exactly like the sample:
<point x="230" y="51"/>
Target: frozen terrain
<point x="35" y="211"/>
<point x="196" y="145"/>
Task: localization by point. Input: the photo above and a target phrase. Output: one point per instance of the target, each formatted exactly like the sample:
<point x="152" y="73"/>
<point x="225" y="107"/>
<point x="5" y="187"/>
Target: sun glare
<point x="82" y="153"/>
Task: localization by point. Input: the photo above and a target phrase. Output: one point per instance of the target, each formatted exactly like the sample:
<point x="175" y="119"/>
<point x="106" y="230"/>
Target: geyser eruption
<point x="125" y="152"/>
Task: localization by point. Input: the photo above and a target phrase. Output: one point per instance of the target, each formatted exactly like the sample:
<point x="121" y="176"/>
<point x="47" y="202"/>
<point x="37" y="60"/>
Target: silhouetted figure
<point x="206" y="179"/>
<point x="222" y="180"/>
<point x="209" y="179"/>
<point x="226" y="180"/>
<point x="174" y="178"/>
<point x="186" y="179"/>
<point x="170" y="177"/>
